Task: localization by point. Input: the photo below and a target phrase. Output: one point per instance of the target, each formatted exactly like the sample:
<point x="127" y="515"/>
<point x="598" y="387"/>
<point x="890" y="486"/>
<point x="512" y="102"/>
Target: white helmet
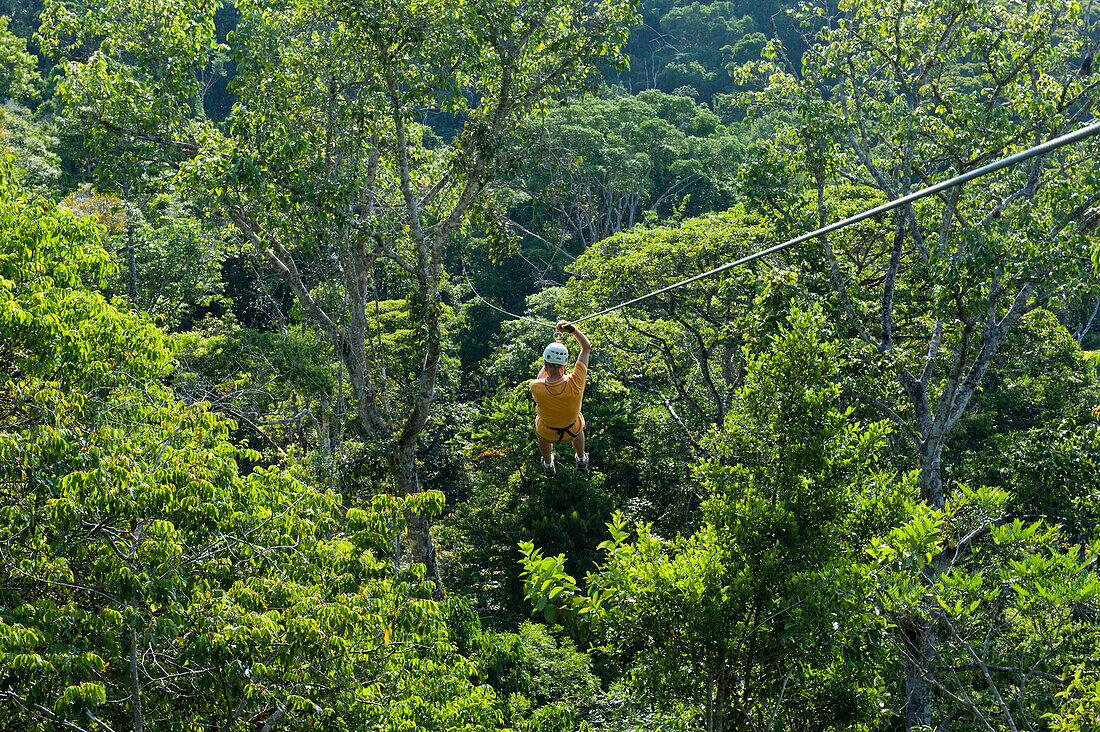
<point x="556" y="354"/>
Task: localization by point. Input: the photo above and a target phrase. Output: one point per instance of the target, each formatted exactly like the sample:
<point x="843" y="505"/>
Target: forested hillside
<point x="276" y="276"/>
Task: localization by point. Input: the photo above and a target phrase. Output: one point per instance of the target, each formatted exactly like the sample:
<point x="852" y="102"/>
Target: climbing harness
<point x="1046" y="147"/>
<point x="563" y="431"/>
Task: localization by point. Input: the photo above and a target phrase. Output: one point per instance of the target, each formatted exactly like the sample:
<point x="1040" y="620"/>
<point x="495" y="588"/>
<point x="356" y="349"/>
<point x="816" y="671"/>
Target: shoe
<point x="550" y="469"/>
<point x="582" y="462"/>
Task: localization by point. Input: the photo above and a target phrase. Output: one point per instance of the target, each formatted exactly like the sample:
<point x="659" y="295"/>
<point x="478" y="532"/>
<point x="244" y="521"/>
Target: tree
<point x="698" y="44"/>
<point x="23" y="13"/>
<point x="1016" y="608"/>
<point x="686" y="349"/>
<point x="531" y="668"/>
<point x="277" y="386"/>
<point x="708" y="41"/>
<point x="603" y="164"/>
<point x="749" y="619"/>
<point x="322" y="165"/>
<point x="891" y="96"/>
<point x="33" y="147"/>
<point x="19" y="78"/>
<point x="146" y="580"/>
<point x="170" y="258"/>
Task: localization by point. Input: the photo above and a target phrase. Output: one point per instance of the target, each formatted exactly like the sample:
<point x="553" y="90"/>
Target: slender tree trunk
<point x="931" y="479"/>
<point x="299" y="427"/>
<point x="1084" y="330"/>
<point x="279" y="713"/>
<point x="326" y="429"/>
<point x="418" y="530"/>
<point x="135" y="683"/>
<point x="722" y="690"/>
<point x="131" y="255"/>
<point x="919" y="637"/>
<point x="135" y="678"/>
<point x="710" y="698"/>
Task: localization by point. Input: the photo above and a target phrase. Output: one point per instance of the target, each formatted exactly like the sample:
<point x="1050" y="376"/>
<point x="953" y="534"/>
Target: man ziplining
<point x="558" y="399"/>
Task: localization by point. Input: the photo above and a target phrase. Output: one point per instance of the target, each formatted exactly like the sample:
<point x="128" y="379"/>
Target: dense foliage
<point x="266" y="447"/>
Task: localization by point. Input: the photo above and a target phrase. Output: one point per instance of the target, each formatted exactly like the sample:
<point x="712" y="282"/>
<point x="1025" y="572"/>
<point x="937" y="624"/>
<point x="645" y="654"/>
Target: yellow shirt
<point x="559" y="404"/>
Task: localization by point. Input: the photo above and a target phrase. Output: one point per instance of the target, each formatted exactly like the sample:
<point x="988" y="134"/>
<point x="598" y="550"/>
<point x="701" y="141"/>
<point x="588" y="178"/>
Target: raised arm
<point x="586" y="345"/>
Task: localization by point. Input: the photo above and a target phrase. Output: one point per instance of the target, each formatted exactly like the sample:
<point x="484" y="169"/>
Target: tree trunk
<point x="709" y="710"/>
<point x="326" y="429"/>
<point x="135" y="677"/>
<point x="418" y="530"/>
<point x="931" y="479"/>
<point x="135" y="683"/>
<point x="131" y="256"/>
<point x="920" y="647"/>
<point x="721" y="691"/>
<point x="279" y="713"/>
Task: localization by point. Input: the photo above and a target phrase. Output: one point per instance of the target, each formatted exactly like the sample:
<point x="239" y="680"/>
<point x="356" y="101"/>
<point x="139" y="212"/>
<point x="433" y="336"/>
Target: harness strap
<point x="563" y="431"/>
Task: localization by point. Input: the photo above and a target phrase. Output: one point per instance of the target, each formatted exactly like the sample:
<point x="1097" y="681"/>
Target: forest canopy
<point x="276" y="276"/>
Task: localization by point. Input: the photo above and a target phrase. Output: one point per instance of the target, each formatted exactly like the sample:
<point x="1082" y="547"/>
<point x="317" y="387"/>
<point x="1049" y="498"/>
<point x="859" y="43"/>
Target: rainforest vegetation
<point x="275" y="275"/>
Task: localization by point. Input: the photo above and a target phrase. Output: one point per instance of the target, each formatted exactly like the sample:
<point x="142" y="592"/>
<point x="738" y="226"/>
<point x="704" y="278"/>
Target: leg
<point x="578" y="444"/>
<point x="546" y="448"/>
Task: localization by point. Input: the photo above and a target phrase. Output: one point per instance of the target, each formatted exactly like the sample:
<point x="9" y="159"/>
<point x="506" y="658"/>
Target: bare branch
<point x="274" y="718"/>
<point x="283" y="261"/>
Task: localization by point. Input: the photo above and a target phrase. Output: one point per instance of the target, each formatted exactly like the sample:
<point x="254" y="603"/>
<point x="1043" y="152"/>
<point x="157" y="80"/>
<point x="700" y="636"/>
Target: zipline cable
<point x="1067" y="139"/>
<point x="502" y="310"/>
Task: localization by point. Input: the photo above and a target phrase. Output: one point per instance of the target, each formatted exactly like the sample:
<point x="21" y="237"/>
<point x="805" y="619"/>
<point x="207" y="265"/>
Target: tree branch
<point x="283" y="261"/>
